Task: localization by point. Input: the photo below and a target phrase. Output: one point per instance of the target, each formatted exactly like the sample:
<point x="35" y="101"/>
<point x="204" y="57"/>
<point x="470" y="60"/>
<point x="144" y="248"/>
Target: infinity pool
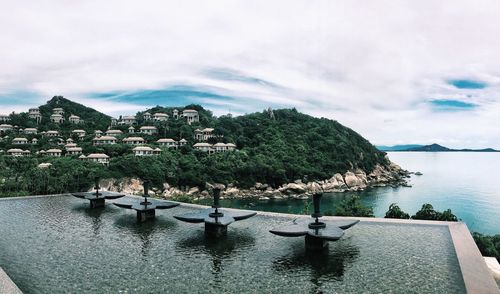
<point x="58" y="245"/>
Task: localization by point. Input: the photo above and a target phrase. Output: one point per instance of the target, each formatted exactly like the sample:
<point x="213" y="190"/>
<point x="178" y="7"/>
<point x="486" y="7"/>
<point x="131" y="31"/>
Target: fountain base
<point x="98" y="202"/>
<point x="145" y="215"/>
<point x="215" y="230"/>
<point x="315" y="243"/>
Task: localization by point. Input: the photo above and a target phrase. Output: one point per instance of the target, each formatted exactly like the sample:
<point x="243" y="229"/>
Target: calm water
<point x="58" y="245"/>
<point x="467" y="183"/>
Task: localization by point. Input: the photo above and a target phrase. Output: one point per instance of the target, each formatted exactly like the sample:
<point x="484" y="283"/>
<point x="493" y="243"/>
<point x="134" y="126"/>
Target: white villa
<point x="146" y="116"/>
<point x="18" y="152"/>
<point x="218" y="147"/>
<point x="98" y="133"/>
<point x="34" y="141"/>
<point x="54" y="152"/>
<point x="145" y="151"/>
<point x="6" y="127"/>
<point x="4" y="117"/>
<point x="104" y="140"/>
<point x="170" y="143"/>
<point x="149" y="130"/>
<point x="128" y="120"/>
<point x="51" y="134"/>
<point x="75" y="119"/>
<point x="114" y="121"/>
<point x="190" y="115"/>
<point x="20" y="141"/>
<point x="114" y="133"/>
<point x="70" y="145"/>
<point x="34" y="113"/>
<point x="97" y="157"/>
<point x="182" y="142"/>
<point x="58" y="110"/>
<point x="203" y="135"/>
<point x="134" y="141"/>
<point x="31" y="131"/>
<point x="175" y="114"/>
<point x="79" y="133"/>
<point x="45" y="165"/>
<point x="131" y="130"/>
<point x="73" y="151"/>
<point x="160" y="116"/>
<point x="57" y="118"/>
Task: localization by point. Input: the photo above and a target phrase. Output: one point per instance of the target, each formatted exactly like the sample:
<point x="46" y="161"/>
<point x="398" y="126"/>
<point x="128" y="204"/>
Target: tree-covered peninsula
<point x="276" y="153"/>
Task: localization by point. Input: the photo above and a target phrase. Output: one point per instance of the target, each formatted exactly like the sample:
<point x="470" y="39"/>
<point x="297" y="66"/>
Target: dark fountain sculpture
<point x="146" y="208"/>
<point x="97" y="198"/>
<point x="216" y="220"/>
<point x="317" y="234"/>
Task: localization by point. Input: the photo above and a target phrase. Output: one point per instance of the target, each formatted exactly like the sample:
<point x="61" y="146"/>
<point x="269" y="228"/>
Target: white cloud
<point x="372" y="65"/>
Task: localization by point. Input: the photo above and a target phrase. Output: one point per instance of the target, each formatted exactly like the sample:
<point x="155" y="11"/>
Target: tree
<point x="396" y="212"/>
<point x="427" y="212"/>
<point x="353" y="207"/>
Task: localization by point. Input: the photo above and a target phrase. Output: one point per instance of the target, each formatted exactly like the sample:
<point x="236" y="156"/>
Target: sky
<point x="397" y="72"/>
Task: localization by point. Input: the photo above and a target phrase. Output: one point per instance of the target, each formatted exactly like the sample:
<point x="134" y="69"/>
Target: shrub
<point x="353" y="207"/>
<point x="396" y="212"/>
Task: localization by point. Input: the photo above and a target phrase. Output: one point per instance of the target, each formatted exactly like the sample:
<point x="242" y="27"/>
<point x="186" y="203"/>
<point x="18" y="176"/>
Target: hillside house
<point x="134" y="141"/>
<point x="222" y="147"/>
<point x="175" y="114"/>
<point x="4" y="117"/>
<point x="54" y="152"/>
<point x="73" y="151"/>
<point x="182" y="142"/>
<point x="104" y="140"/>
<point x="146" y="116"/>
<point x="170" y="143"/>
<point x="205" y="147"/>
<point x="51" y="134"/>
<point x="149" y="130"/>
<point x="34" y="113"/>
<point x="34" y="141"/>
<point x="79" y="133"/>
<point x="57" y="118"/>
<point x="131" y="130"/>
<point x="190" y="115"/>
<point x="20" y="141"/>
<point x="98" y="133"/>
<point x="30" y="131"/>
<point x="18" y="152"/>
<point x="74" y="119"/>
<point x="145" y="151"/>
<point x="159" y="117"/>
<point x="58" y="110"/>
<point x="204" y="135"/>
<point x="44" y="165"/>
<point x="114" y="133"/>
<point x="128" y="120"/>
<point x="114" y="121"/>
<point x="6" y="127"/>
<point x="97" y="158"/>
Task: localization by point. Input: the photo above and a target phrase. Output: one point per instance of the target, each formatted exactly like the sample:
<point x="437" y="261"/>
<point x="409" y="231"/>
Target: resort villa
<point x="203" y="135"/>
<point x="134" y="141"/>
<point x="54" y="152"/>
<point x="160" y="117"/>
<point x="4" y="118"/>
<point x="20" y="141"/>
<point x="145" y="151"/>
<point x="170" y="143"/>
<point x="34" y="113"/>
<point x="18" y="152"/>
<point x="190" y="115"/>
<point x="73" y="151"/>
<point x="58" y="110"/>
<point x="51" y="134"/>
<point x="114" y="133"/>
<point x="97" y="158"/>
<point x="128" y="120"/>
<point x="148" y="130"/>
<point x="75" y="119"/>
<point x="57" y="118"/>
<point x="79" y="133"/>
<point x="30" y="131"/>
<point x="218" y="147"/>
<point x="5" y="128"/>
<point x="104" y="140"/>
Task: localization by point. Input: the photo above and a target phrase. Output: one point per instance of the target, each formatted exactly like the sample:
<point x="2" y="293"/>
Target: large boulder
<point x="293" y="188"/>
<point x="232" y="192"/>
<point x="313" y="187"/>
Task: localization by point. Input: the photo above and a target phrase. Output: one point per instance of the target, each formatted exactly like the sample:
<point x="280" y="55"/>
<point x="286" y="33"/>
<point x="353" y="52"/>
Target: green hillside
<point x="273" y="147"/>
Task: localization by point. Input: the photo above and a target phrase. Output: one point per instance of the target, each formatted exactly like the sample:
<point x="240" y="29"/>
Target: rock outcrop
<point x="354" y="180"/>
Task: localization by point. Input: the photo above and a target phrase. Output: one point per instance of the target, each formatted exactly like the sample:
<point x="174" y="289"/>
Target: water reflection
<point x="323" y="265"/>
<point x="220" y="250"/>
<point x="145" y="231"/>
<point x="95" y="215"/>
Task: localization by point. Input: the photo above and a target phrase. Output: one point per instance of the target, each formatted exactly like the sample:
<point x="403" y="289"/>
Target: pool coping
<point x="475" y="273"/>
<point x="7" y="286"/>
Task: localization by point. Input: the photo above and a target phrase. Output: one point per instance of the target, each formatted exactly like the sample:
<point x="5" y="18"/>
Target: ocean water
<point x="465" y="182"/>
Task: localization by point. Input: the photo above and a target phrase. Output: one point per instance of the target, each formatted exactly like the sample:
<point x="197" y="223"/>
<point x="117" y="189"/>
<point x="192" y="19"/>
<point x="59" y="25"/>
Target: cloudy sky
<point x="395" y="71"/>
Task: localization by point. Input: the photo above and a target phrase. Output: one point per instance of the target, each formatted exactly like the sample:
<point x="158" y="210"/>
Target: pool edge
<point x="7" y="286"/>
<point x="476" y="275"/>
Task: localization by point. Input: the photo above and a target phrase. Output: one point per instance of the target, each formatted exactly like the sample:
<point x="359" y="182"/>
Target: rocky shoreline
<point x="356" y="180"/>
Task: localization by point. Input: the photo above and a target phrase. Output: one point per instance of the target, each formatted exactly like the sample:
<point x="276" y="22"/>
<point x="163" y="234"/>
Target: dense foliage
<point x="427" y="212"/>
<point x="273" y="147"/>
<point x="488" y="245"/>
<point x="352" y="206"/>
<point x="396" y="212"/>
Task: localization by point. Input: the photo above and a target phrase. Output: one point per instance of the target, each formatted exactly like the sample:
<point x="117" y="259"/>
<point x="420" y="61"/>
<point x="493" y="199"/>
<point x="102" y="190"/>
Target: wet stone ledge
<point x="6" y="284"/>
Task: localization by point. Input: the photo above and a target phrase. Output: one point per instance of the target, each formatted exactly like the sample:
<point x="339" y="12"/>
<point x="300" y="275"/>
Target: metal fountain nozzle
<point x="145" y="184"/>
<point x="96" y="185"/>
<point x="216" y="194"/>
<point x="317" y="205"/>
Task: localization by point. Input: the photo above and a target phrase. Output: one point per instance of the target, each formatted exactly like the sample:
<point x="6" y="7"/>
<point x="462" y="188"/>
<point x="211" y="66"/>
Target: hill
<point x="273" y="147"/>
<point x="398" y="147"/>
<point x="430" y="148"/>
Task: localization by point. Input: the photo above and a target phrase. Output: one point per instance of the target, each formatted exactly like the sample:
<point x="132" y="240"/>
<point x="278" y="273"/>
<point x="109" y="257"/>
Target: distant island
<point x="430" y="148"/>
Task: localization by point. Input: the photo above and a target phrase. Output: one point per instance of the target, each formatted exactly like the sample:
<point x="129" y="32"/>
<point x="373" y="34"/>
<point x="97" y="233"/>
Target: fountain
<point x="216" y="220"/>
<point x="317" y="234"/>
<point x="97" y="198"/>
<point x="145" y="209"/>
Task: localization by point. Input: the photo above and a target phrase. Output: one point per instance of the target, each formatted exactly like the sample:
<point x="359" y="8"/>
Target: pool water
<point x="59" y="245"/>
